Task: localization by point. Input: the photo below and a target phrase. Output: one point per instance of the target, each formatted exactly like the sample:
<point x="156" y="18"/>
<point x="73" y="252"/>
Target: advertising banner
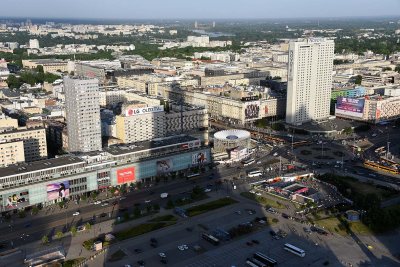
<point x="252" y="110"/>
<point x="126" y="175"/>
<point x="199" y="158"/>
<point x="164" y="166"/>
<point x="350" y="106"/>
<point x="16" y="200"/>
<point x="143" y="110"/>
<point x="57" y="190"/>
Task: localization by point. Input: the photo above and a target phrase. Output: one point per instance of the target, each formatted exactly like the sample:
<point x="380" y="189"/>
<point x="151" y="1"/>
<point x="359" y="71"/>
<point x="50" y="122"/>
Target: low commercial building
<point x="49" y="65"/>
<point x="52" y="180"/>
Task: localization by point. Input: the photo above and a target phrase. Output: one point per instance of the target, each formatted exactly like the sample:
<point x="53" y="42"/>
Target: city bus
<point x="210" y="238"/>
<point x="295" y="250"/>
<point x="193" y="175"/>
<point x="254" y="173"/>
<point x="248" y="162"/>
<point x="269" y="262"/>
<point x="255" y="263"/>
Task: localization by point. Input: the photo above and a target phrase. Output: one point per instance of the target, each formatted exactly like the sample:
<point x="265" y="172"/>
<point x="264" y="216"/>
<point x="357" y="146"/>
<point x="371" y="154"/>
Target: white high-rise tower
<point x="82" y="103"/>
<point x="309" y="79"/>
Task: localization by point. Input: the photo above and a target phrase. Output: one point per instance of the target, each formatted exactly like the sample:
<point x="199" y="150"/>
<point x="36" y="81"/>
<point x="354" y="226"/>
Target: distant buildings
<point x="83" y="114"/>
<point x="34" y="44"/>
<point x="309" y="80"/>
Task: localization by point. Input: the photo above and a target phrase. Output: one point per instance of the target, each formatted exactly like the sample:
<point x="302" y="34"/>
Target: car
<point x="103" y="215"/>
<point x="207" y="190"/>
<point x="255" y="241"/>
<point x="258" y="194"/>
<point x="141" y="262"/>
<point x="271" y="232"/>
<point x="258" y="162"/>
<point x="162" y="255"/>
<point x="185" y="246"/>
<point x="153" y="240"/>
<point x="181" y="248"/>
<point x="147" y="201"/>
<point x="122" y="198"/>
<point x="80" y="228"/>
<point x="238" y="212"/>
<point x="137" y="250"/>
<point x="97" y="202"/>
<point x="164" y="261"/>
<point x="105" y="203"/>
<point x="115" y="203"/>
<point x="127" y="265"/>
<point x="76" y="213"/>
<point x="249" y="243"/>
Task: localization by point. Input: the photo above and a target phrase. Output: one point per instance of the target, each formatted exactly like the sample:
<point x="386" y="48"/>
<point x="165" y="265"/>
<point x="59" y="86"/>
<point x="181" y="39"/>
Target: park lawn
<point x="359" y="228"/>
<point x="263" y="200"/>
<point x="332" y="225"/>
<point x="165" y="218"/>
<point x="365" y="188"/>
<point x="72" y="262"/>
<point x="209" y="206"/>
<point x="116" y="256"/>
<point x="141" y="229"/>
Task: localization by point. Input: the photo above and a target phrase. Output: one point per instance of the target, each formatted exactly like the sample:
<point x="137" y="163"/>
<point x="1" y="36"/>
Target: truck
<point x="164" y="195"/>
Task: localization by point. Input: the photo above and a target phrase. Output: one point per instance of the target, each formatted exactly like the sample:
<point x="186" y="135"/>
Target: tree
<point x="45" y="240"/>
<point x="73" y="230"/>
<point x="13" y="81"/>
<point x="59" y="235"/>
<point x="88" y="226"/>
<point x="358" y="79"/>
<point x="35" y="210"/>
<point x="397" y="68"/>
<point x="39" y="68"/>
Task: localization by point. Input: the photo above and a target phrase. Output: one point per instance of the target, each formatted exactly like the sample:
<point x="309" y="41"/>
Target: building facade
<point x="82" y="106"/>
<point x="11" y="152"/>
<point x="309" y="80"/>
<point x="34" y="141"/>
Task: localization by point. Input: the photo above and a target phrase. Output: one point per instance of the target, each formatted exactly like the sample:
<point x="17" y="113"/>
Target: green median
<point x="209" y="206"/>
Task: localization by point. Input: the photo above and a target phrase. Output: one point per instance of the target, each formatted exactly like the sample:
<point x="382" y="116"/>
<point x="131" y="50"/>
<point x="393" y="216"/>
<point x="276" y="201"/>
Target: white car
<point x="258" y="194"/>
<point x="207" y="190"/>
<point x="97" y="202"/>
<point x="181" y="248"/>
<point x="252" y="191"/>
<point x="147" y="201"/>
<point x="76" y="213"/>
<point x="162" y="255"/>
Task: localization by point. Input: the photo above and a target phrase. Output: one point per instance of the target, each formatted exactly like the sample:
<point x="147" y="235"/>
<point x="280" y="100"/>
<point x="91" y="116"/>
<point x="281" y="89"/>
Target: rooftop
<point x="148" y="145"/>
<point x="40" y="165"/>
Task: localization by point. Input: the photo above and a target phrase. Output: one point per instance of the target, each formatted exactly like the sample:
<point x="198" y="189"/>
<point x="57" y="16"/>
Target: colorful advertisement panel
<point x="16" y="200"/>
<point x="350" y="106"/>
<point x="126" y="175"/>
<point x="57" y="190"/>
<point x="164" y="166"/>
<point x="199" y="158"/>
<point x="251" y="110"/>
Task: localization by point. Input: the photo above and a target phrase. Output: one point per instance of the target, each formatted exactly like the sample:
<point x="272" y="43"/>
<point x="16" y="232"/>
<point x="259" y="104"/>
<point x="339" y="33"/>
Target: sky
<point x="197" y="9"/>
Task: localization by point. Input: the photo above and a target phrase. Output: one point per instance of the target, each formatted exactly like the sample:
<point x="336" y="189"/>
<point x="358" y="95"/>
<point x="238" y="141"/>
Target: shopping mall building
<point x="49" y="181"/>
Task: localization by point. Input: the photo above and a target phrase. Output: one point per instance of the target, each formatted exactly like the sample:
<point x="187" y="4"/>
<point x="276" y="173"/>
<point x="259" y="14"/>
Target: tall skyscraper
<point x="309" y="79"/>
<point x="82" y="104"/>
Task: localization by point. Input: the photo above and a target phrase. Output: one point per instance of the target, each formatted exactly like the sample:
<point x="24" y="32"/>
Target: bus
<point x="210" y="238"/>
<point x="255" y="263"/>
<point x="254" y="173"/>
<point x="193" y="175"/>
<point x="269" y="262"/>
<point x="248" y="162"/>
<point x="295" y="250"/>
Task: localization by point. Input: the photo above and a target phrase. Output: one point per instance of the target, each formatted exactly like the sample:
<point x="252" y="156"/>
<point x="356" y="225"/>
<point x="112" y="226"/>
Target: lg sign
<point x="141" y="111"/>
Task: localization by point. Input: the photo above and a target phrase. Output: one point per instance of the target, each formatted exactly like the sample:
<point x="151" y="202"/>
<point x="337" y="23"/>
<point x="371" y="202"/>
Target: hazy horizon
<point x="206" y="9"/>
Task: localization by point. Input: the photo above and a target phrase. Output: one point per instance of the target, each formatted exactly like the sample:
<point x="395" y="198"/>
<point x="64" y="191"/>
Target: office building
<point x="82" y="106"/>
<point x="11" y="152"/>
<point x="309" y="80"/>
<point x="34" y="44"/>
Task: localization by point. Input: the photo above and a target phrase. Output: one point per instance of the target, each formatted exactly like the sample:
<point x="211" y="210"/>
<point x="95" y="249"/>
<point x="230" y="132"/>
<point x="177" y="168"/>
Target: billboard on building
<point x="15" y="200"/>
<point x="192" y="144"/>
<point x="58" y="190"/>
<point x="164" y="166"/>
<point x="126" y="175"/>
<point x="143" y="110"/>
<point x="199" y="158"/>
<point x="252" y="110"/>
<point x="350" y="106"/>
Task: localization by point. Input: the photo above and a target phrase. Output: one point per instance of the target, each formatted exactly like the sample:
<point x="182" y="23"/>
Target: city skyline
<point x="179" y="9"/>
